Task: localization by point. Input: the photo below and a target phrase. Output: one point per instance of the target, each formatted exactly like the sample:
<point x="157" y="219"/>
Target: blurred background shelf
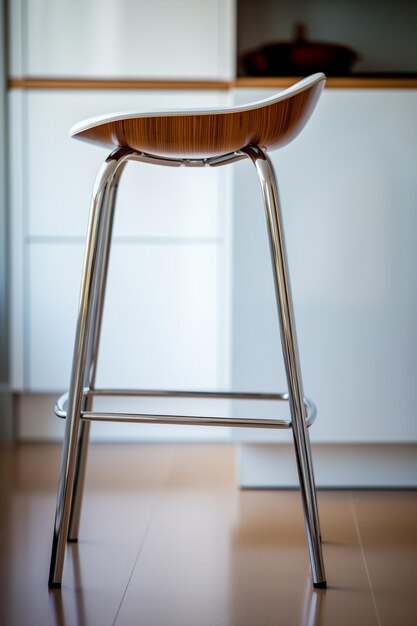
<point x="243" y="82"/>
<point x="333" y="82"/>
<point x="380" y="35"/>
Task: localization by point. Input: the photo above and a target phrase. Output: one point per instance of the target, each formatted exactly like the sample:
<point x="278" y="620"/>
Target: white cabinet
<point x="190" y="39"/>
<point x="349" y="191"/>
<point x="349" y="194"/>
<point x="60" y="171"/>
<point x="161" y="319"/>
<point x="168" y="266"/>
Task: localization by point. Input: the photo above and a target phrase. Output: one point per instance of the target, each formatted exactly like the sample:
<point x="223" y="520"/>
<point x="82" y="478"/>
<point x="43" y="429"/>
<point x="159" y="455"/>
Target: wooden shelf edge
<point x="90" y="83"/>
<point x="342" y="82"/>
<point x="348" y="82"/>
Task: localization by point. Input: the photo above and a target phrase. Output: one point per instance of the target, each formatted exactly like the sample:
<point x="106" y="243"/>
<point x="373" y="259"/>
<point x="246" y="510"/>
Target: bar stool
<point x="206" y="138"/>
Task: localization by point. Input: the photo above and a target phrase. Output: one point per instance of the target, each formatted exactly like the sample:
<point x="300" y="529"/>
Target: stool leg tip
<point x="322" y="585"/>
<point x="52" y="585"/>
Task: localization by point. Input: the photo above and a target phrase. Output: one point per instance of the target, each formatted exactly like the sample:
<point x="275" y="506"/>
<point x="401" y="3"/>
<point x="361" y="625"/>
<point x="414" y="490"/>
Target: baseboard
<point x="335" y="466"/>
<point x="6" y="415"/>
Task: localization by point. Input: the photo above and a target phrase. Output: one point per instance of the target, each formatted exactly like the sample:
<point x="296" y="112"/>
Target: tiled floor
<point x="167" y="539"/>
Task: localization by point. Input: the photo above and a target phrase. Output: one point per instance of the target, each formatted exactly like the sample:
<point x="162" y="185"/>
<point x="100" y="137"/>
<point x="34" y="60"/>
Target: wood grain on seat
<point x="269" y="123"/>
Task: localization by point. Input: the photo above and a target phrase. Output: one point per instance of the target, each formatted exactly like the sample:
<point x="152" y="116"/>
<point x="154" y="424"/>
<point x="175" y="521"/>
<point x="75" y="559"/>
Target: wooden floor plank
<point x="167" y="538"/>
<point x="216" y="555"/>
<point x="387" y="522"/>
<point x="121" y="492"/>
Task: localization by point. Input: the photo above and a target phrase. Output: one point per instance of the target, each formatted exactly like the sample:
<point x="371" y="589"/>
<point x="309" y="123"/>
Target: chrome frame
<point x="101" y="416"/>
<point x="291" y="359"/>
<point x="93" y="349"/>
<point x="76" y="406"/>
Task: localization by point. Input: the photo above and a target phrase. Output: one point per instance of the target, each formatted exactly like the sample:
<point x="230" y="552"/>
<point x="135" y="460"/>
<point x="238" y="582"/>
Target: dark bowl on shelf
<point x="298" y="58"/>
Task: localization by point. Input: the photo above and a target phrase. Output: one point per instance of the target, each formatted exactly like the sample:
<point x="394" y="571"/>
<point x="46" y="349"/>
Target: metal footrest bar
<point x="159" y="393"/>
<point x="190" y="420"/>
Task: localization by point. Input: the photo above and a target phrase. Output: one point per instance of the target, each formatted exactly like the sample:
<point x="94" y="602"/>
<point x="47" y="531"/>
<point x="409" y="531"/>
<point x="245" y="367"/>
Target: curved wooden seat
<point x="269" y="123"/>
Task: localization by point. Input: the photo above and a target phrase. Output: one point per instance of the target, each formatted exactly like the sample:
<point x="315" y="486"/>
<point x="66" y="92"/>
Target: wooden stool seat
<point x="269" y="123"/>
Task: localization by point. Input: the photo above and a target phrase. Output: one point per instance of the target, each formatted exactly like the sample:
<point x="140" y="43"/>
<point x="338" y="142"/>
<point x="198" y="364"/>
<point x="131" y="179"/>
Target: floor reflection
<point x="56" y="606"/>
<point x="313" y="605"/>
<point x="270" y="579"/>
<point x="67" y="606"/>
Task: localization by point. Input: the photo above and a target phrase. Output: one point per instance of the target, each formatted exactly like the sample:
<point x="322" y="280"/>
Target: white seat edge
<point x="296" y="88"/>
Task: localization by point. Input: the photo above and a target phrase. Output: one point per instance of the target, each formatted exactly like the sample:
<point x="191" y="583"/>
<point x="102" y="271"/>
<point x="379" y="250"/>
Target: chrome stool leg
<point x="92" y="354"/>
<point x="93" y="265"/>
<point x="290" y="350"/>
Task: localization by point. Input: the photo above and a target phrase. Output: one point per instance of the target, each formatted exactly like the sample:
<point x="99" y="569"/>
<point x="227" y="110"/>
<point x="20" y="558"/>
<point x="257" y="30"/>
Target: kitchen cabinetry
<point x="184" y="39"/>
<point x="348" y="194"/>
<point x="169" y="274"/>
<point x="184" y="228"/>
<point x="349" y="204"/>
<point x="348" y="191"/>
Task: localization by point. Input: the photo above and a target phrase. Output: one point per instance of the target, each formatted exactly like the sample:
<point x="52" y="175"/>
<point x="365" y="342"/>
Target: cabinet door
<point x="60" y="171"/>
<point x="348" y="190"/>
<point x="162" y="321"/>
<point x="123" y="39"/>
<point x="162" y="328"/>
<point x="161" y="210"/>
